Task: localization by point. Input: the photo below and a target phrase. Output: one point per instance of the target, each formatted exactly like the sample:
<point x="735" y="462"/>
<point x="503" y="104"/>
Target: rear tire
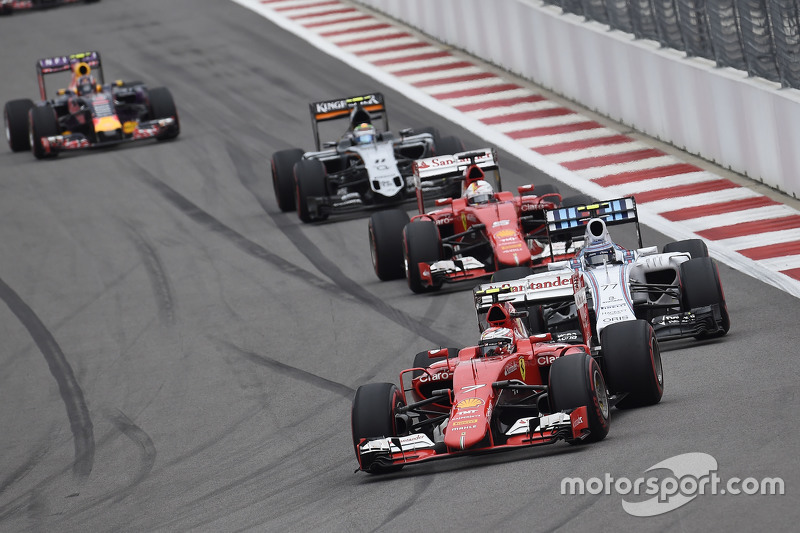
<point x="510" y="274"/>
<point x="421" y="244"/>
<point x="575" y="381"/>
<point x="310" y="180"/>
<point x="386" y="243"/>
<point x="448" y="145"/>
<point x="15" y="117"/>
<point x="577" y="200"/>
<point x="422" y="360"/>
<point x="632" y="363"/>
<point x="695" y="247"/>
<point x="282" y="164"/>
<point x="163" y="106"/>
<point x="43" y="122"/>
<point x="701" y="286"/>
<point x="373" y="416"/>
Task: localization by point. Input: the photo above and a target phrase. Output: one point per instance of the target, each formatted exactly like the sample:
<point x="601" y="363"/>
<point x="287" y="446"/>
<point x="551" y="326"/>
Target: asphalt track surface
<point x="179" y="355"/>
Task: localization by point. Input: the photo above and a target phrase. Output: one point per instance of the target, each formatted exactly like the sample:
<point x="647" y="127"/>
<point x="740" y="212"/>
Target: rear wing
<point x="569" y="223"/>
<point x="454" y="166"/>
<point x="364" y="108"/>
<point x="54" y="65"/>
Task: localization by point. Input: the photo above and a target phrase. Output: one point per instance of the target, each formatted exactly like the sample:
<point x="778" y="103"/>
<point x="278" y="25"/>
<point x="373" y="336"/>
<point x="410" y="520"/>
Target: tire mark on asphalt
<point x="22" y="470"/>
<point x="296" y="373"/>
<point x="71" y="394"/>
<point x="348" y="291"/>
<point x="146" y="446"/>
<point x="155" y="271"/>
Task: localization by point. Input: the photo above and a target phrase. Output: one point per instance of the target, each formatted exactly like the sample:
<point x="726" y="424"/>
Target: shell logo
<point x="469" y="402"/>
<point x="505" y="233"/>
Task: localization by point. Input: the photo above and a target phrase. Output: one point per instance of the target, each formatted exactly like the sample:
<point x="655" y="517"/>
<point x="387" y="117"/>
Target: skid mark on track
<point x="409" y="503"/>
<point x="146" y="446"/>
<point x="155" y="271"/>
<point x="22" y="470"/>
<point x="71" y="394"/>
<point x="352" y="292"/>
<point x="296" y="373"/>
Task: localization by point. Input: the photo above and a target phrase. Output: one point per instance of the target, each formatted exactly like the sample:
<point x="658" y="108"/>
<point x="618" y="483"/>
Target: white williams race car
<point x="677" y="293"/>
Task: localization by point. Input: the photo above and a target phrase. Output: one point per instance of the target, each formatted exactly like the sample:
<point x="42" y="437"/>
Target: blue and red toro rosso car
<point x="88" y="112"/>
<point x="9" y="6"/>
<point x="511" y="390"/>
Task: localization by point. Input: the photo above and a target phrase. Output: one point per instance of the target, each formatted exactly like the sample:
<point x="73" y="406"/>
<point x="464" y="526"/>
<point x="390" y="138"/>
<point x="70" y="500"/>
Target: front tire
<point x="282" y="164"/>
<point x="386" y="243"/>
<point x="373" y="416"/>
<point x="43" y="122"/>
<point x="632" y="363"/>
<point x="163" y="106"/>
<point x="310" y="181"/>
<point x="15" y="117"/>
<point x="575" y="381"/>
<point x="421" y="244"/>
<point x="694" y="247"/>
<point x="701" y="286"/>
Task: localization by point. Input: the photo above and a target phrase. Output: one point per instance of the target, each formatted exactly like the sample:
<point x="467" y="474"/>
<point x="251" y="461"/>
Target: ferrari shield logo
<point x="522" y="367"/>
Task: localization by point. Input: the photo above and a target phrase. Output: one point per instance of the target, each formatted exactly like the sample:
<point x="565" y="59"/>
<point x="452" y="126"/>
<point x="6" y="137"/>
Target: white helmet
<point x="496" y="341"/>
<point x="479" y="192"/>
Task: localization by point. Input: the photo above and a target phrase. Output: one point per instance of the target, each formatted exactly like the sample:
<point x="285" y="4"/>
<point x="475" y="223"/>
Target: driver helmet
<point x="364" y="133"/>
<point x="479" y="192"/>
<point x="496" y="341"/>
<point x="599" y="254"/>
<point x="85" y="85"/>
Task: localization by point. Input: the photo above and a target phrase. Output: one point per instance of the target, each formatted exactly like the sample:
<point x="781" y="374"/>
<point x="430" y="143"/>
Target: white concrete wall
<point x="749" y="125"/>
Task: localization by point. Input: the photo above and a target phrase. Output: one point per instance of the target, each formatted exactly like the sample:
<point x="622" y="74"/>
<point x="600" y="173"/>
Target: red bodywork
<point x="509" y="225"/>
<point x="478" y="392"/>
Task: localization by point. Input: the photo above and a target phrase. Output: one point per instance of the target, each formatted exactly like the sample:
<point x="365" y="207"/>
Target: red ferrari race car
<point x="483" y="231"/>
<point x="7" y="7"/>
<point x="88" y="113"/>
<point x="511" y="390"/>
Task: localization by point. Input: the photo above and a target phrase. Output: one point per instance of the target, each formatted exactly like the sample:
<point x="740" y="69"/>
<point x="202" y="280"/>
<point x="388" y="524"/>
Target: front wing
<point x="78" y="141"/>
<point x="380" y="453"/>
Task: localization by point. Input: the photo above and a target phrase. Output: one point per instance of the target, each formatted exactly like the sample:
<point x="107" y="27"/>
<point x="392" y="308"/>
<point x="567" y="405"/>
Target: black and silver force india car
<point x="677" y="293"/>
<point x="89" y="112"/>
<point x="367" y="167"/>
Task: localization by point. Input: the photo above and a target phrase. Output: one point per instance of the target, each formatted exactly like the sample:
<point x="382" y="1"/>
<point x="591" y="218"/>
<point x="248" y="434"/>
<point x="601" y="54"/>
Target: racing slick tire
<point x="42" y="123"/>
<point x="448" y="145"/>
<point x="510" y="274"/>
<point x="421" y="244"/>
<point x="577" y="199"/>
<point x="310" y="180"/>
<point x="632" y="363"/>
<point x="545" y="188"/>
<point x="373" y="416"/>
<point x="422" y="360"/>
<point x="694" y="247"/>
<point x="575" y="381"/>
<point x="386" y="243"/>
<point x="163" y="106"/>
<point x="701" y="286"/>
<point x="282" y="164"/>
<point x="15" y="117"/>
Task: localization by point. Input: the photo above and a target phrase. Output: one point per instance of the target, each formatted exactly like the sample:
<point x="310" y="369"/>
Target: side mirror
<point x="524" y="189"/>
<point x="444" y="201"/>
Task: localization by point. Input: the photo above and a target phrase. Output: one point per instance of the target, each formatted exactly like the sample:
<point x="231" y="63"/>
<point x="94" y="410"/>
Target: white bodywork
<point x="381" y="167"/>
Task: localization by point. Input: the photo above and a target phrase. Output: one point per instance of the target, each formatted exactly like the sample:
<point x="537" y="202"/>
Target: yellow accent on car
<point x="129" y="127"/>
<point x="107" y="124"/>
